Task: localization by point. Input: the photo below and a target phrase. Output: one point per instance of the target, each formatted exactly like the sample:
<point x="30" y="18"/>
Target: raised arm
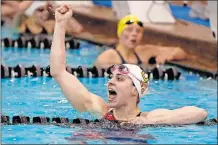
<point x="9" y="8"/>
<point x="76" y="93"/>
<point x="24" y="5"/>
<point x="14" y="7"/>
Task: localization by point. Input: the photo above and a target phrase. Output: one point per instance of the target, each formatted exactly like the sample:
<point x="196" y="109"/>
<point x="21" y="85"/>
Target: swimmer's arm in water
<point x="163" y="53"/>
<point x="185" y="115"/>
<point x="170" y="53"/>
<point x="73" y="89"/>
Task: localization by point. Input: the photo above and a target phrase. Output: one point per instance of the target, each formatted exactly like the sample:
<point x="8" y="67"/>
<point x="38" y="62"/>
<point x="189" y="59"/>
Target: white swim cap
<point x="139" y="78"/>
<point x="34" y="6"/>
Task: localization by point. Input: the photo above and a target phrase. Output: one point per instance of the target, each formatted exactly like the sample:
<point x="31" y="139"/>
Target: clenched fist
<point x="63" y="13"/>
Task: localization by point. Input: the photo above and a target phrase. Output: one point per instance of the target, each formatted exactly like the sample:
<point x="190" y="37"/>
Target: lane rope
<point x="19" y="71"/>
<point x="97" y="123"/>
<point x="38" y="42"/>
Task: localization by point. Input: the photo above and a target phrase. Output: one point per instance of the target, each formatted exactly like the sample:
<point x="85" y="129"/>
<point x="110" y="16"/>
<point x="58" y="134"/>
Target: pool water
<point x="43" y="97"/>
<point x="84" y="56"/>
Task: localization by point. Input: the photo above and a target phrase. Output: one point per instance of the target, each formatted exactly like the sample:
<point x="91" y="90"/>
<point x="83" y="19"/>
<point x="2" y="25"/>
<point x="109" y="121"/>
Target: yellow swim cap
<point x="122" y="23"/>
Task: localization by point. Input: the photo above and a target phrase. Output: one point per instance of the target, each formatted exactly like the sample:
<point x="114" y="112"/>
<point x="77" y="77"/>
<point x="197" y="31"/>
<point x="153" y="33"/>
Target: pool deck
<point x="100" y="27"/>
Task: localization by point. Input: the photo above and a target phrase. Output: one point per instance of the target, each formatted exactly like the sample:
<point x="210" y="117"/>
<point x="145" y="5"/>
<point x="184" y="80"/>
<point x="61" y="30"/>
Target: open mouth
<point x="112" y="94"/>
<point x="133" y="41"/>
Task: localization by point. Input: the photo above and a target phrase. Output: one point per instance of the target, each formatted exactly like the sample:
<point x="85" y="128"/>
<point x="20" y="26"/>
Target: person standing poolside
<point x="128" y="50"/>
<point x="127" y="85"/>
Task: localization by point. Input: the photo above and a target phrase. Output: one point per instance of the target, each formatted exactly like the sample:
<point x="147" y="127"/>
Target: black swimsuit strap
<point x="27" y="30"/>
<point x="2" y="22"/>
<point x="112" y="111"/>
<point x="123" y="61"/>
<point x="138" y="59"/>
<point x="43" y="31"/>
<point x="139" y="114"/>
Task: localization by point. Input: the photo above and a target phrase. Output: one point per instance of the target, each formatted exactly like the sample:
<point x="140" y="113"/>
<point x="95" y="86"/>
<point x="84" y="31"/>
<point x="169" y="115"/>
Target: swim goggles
<point x="137" y="22"/>
<point x="123" y="70"/>
<point x="41" y="9"/>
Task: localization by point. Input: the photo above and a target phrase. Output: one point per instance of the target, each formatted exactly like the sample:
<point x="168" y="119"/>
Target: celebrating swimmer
<point x="127" y="84"/>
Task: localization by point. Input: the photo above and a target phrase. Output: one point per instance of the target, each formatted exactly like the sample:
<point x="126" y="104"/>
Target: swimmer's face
<point x="41" y="13"/>
<point x="120" y="90"/>
<point x="131" y="36"/>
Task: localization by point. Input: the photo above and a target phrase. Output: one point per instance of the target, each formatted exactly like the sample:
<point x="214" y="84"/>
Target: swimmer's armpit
<point x="97" y="106"/>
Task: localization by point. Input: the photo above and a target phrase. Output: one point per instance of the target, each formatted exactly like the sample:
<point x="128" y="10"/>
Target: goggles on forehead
<point x="137" y="22"/>
<point x="123" y="70"/>
<point x="41" y="9"/>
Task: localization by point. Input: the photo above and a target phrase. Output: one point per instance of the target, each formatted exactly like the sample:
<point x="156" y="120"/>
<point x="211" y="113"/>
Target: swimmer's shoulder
<point x="109" y="54"/>
<point x="49" y="26"/>
<point x="145" y="52"/>
<point x="144" y="114"/>
<point x="110" y="51"/>
<point x="107" y="58"/>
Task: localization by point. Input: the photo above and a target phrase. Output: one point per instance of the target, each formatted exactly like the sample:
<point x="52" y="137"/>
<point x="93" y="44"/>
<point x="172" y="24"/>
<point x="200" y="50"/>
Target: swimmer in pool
<point x="128" y="49"/>
<point x="127" y="85"/>
<point x="39" y="20"/>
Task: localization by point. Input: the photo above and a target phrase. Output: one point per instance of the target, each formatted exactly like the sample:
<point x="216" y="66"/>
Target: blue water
<point x="85" y="56"/>
<point x="43" y="97"/>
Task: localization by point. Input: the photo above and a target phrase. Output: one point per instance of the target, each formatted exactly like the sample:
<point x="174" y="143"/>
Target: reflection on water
<point x="129" y="137"/>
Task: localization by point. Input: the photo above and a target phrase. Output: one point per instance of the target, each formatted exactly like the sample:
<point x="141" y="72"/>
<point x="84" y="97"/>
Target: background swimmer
<point x="128" y="49"/>
<point x="40" y="20"/>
